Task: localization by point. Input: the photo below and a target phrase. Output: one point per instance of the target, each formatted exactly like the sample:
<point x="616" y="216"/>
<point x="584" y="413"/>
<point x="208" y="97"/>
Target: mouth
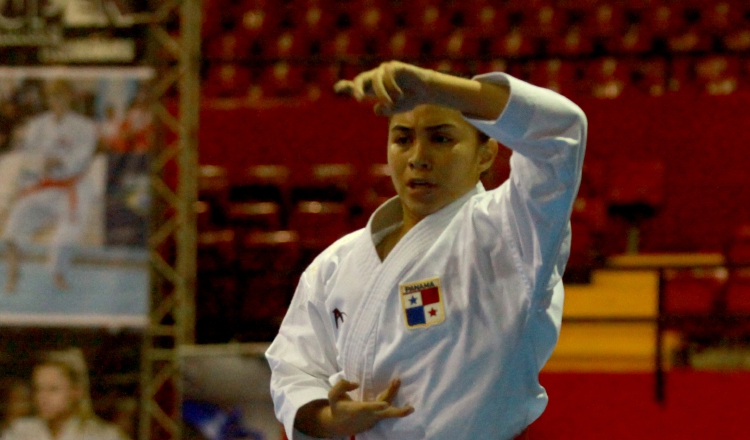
<point x="419" y="183"/>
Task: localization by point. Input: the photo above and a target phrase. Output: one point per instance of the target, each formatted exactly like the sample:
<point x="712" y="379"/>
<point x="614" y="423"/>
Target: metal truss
<point x="174" y="29"/>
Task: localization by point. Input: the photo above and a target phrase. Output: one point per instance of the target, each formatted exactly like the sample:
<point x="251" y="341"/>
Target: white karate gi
<point x="498" y="257"/>
<point x="58" y="195"/>
<point x="32" y="428"/>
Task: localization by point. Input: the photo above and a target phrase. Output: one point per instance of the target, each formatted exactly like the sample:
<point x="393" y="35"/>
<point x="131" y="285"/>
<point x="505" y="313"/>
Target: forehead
<point x="425" y="116"/>
<point x="48" y="371"/>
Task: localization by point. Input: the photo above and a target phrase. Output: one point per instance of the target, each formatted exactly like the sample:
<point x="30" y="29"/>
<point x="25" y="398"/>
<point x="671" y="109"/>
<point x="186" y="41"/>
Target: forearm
<point x="474" y="99"/>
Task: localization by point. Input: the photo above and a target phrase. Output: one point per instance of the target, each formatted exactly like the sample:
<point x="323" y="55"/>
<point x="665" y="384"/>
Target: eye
<point x="440" y="138"/>
<point x="401" y="140"/>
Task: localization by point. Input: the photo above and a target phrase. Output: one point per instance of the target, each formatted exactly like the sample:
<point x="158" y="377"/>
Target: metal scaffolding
<point x="174" y="29"/>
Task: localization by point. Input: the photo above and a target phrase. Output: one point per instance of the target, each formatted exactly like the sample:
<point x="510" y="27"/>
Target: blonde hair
<point x="73" y="364"/>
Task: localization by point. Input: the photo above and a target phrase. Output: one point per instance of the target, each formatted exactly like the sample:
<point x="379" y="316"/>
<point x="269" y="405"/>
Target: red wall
<point x="702" y="140"/>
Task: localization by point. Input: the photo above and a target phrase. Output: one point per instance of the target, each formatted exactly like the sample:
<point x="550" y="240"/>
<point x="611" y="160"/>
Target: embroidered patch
<point x="422" y="302"/>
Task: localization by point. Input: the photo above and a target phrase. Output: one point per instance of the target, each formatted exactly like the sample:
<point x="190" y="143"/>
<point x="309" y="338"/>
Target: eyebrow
<point x="430" y="128"/>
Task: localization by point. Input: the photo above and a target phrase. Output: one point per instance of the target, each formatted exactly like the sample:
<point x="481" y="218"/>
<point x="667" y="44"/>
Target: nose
<point x="419" y="157"/>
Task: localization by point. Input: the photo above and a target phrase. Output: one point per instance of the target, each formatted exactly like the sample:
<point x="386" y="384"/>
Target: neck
<point x="56" y="425"/>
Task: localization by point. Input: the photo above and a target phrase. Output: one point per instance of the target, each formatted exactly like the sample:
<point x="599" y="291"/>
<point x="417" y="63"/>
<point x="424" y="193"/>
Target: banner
<point x="74" y="196"/>
<point x="50" y="376"/>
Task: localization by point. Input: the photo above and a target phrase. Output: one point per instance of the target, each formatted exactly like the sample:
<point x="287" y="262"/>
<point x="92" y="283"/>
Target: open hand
<point x="395" y="86"/>
<point x="341" y="416"/>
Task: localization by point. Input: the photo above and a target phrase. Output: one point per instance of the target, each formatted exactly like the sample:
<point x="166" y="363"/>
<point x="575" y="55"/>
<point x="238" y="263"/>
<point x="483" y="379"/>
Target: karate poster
<point x="74" y="196"/>
<point x="40" y="368"/>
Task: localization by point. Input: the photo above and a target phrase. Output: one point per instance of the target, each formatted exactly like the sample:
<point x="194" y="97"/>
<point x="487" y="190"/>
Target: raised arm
<point x="398" y="87"/>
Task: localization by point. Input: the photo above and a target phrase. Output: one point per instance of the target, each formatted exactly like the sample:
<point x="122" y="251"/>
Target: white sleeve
<point x="302" y="357"/>
<point x="547" y="133"/>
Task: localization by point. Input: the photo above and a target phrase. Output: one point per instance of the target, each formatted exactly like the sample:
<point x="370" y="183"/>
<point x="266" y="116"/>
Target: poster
<point x="99" y="381"/>
<point x="74" y="196"/>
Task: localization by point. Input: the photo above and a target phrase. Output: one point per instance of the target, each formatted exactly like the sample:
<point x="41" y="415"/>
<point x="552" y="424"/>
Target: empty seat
<point x="607" y="77"/>
<point x="738" y="248"/>
<point x="342" y="45"/>
<point x="283" y="79"/>
<point x="262" y="183"/>
<point x="554" y="74"/>
<point x="513" y="44"/>
<point x="269" y="252"/>
<point x="333" y="182"/>
<point x="403" y="44"/>
<point x="458" y="44"/>
<point x="635" y="193"/>
<point x="737" y="299"/>
<point x="216" y="251"/>
<point x="650" y="76"/>
<point x="319" y="224"/>
<point x="717" y="75"/>
<point x="247" y="216"/>
<point x="226" y="80"/>
<point x="213" y="196"/>
<point x="572" y="42"/>
<point x="691" y="292"/>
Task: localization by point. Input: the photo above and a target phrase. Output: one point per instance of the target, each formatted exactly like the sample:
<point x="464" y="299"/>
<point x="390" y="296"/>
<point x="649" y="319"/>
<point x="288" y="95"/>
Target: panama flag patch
<point x="422" y="302"/>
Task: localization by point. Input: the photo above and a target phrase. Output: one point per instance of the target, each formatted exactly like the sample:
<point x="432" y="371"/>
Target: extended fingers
<point x="389" y="393"/>
<point x="395" y="412"/>
<point x="340" y="389"/>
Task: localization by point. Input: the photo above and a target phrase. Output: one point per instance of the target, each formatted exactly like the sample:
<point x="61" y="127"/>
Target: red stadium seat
<point x="429" y="19"/>
<point x="651" y="76"/>
<point x="485" y="19"/>
<point x="636" y="39"/>
<point x="546" y="22"/>
<point x="737" y="299"/>
<point x="344" y="44"/>
<point x="690" y="39"/>
<point x="275" y="252"/>
<point x="635" y="193"/>
<point x="228" y="46"/>
<point x="404" y="45"/>
<point x="319" y="224"/>
<point x="216" y="251"/>
<point x="513" y="44"/>
<point x="608" y="78"/>
<point x="262" y="183"/>
<point x="213" y="196"/>
<point x="738" y="40"/>
<point x="555" y="75"/>
<point x="717" y="75"/>
<point x="283" y="79"/>
<point x="692" y="291"/>
<point x="251" y="216"/>
<point x="288" y="45"/>
<point x="573" y="42"/>
<point x="738" y="249"/>
<point x="457" y="44"/>
<point x="226" y="80"/>
<point x="325" y="182"/>
<point x="604" y="21"/>
<point x="719" y="18"/>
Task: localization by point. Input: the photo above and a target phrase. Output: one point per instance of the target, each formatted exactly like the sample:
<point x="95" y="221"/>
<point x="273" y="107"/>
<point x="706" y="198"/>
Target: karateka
<point x="434" y="321"/>
<point x="57" y="149"/>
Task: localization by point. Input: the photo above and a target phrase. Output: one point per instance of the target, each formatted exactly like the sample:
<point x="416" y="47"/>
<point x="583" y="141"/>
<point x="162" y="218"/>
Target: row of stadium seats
<point x="433" y="18"/>
<point x="607" y="77"/>
<point x="514" y="42"/>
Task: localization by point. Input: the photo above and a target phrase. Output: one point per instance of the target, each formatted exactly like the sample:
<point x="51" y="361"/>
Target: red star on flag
<point x="433" y="312"/>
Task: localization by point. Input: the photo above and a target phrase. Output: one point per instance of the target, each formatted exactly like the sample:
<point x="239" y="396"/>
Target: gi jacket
<point x="465" y="309"/>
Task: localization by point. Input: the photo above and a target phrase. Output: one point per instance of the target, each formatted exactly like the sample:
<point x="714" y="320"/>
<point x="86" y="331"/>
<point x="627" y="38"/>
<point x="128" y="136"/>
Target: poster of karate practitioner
<point x="74" y="196"/>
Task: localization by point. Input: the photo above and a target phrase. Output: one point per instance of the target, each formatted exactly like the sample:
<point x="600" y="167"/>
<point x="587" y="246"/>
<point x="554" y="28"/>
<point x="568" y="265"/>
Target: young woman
<point x="62" y="402"/>
<point x="434" y="321"/>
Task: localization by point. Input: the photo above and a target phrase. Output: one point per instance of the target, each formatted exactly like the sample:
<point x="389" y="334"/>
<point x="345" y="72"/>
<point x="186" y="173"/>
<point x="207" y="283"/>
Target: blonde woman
<point x="62" y="402"/>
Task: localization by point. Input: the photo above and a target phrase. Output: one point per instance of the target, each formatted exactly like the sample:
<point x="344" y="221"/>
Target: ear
<point x="487" y="153"/>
